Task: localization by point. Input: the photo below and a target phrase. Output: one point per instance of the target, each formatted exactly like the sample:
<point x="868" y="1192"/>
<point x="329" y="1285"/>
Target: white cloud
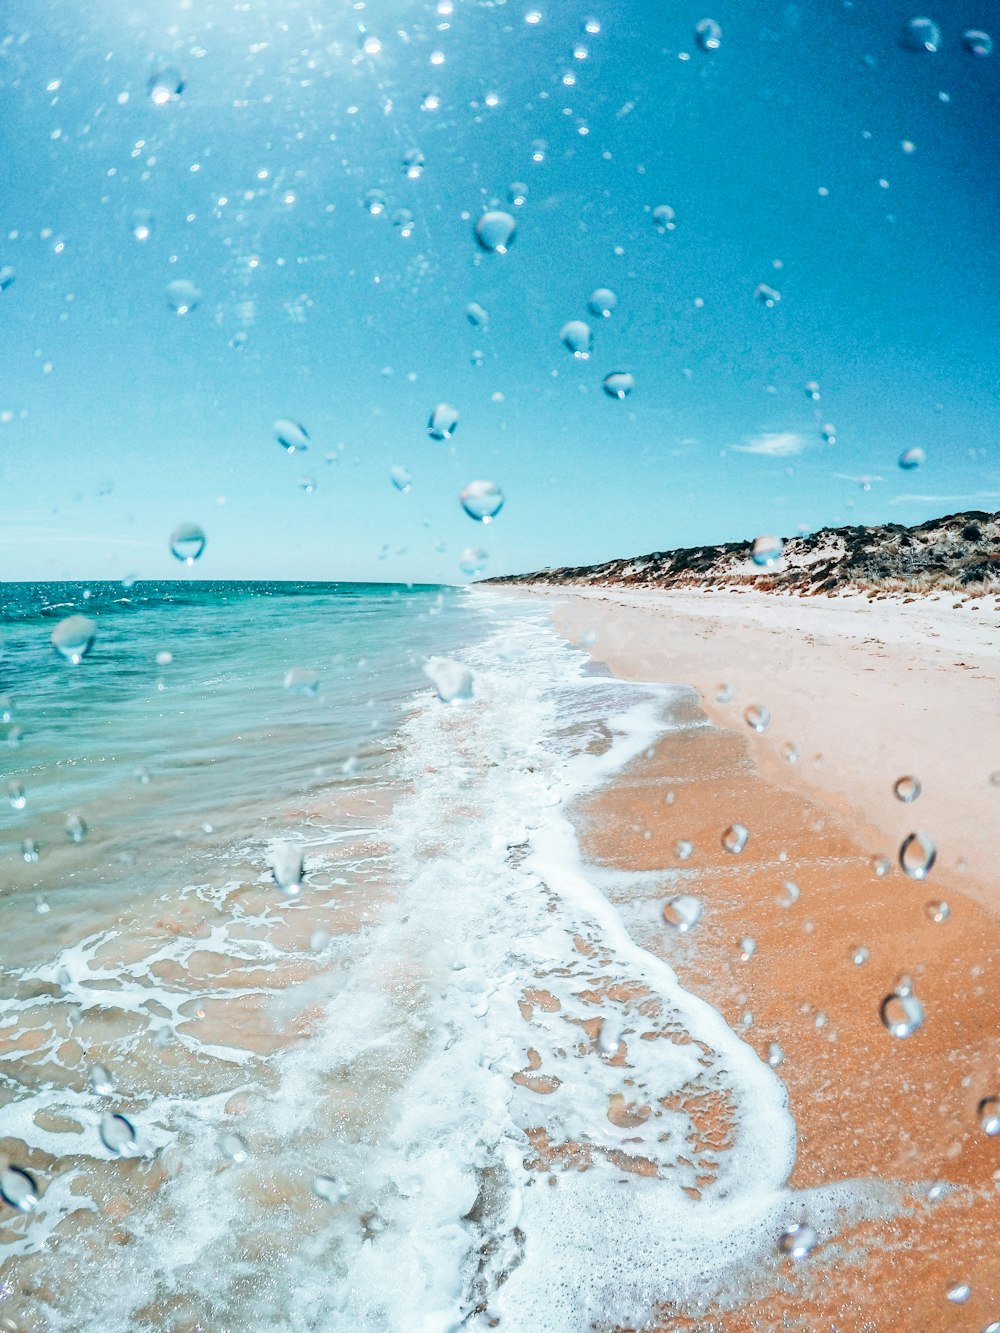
<point x="944" y="499"/>
<point x="773" y="444"/>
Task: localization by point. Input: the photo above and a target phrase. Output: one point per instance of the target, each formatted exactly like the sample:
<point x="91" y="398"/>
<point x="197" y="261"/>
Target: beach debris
<point x="748" y="947"/>
<point x="911" y="459"/>
<point x="682" y="912"/>
<point x="977" y="42"/>
<point x="233" y="1148"/>
<point x="76" y="828"/>
<point x="117" y="1132"/>
<point x="29" y="850"/>
<point x="735" y="838"/>
<point x="517" y="193"/>
<point x="477" y="316"/>
<point x="937" y="910"/>
<point x="920" y="34"/>
<point x="959" y="1293"/>
<point x="708" y="35"/>
<point x="187" y="541"/>
<point x="16" y="794"/>
<point x="291" y="435"/>
<point x="757" y="717"/>
<point x="400" y="478"/>
<point x="482" y="500"/>
<point x="775" y="1055"/>
<point x="18" y="1189"/>
<point x="917" y="855"/>
<point x="285" y="860"/>
<point x="166" y="85"/>
<point x="473" y="560"/>
<point x="100" y="1080"/>
<point x="798" y="1241"/>
<point x="906" y="790"/>
<point x="766" y="550"/>
<point x="329" y="1189"/>
<point x="452" y="680"/>
<point x="663" y="218"/>
<point x="74" y="637"/>
<point x="182" y="296"/>
<point x="766" y="295"/>
<point x="619" y="384"/>
<point x="495" y="232"/>
<point x="683" y="848"/>
<point x="442" y="422"/>
<point x="576" y="337"/>
<point x="859" y="955"/>
<point x="601" y="302"/>
<point x="989" y="1115"/>
<point x="609" y="1038"/>
<point x="902" y="1012"/>
<point x="302" y="680"/>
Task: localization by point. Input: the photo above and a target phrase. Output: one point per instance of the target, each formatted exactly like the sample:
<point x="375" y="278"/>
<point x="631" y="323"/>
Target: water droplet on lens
<point x="517" y="193"/>
<point x="100" y="1080"/>
<point x="576" y="337"/>
<point x="400" y="478"/>
<point x="375" y="202"/>
<point x="18" y="1189"/>
<point x="413" y="163"/>
<point x="775" y="1055"/>
<point x="792" y="894"/>
<point x="977" y="43"/>
<point x="451" y="679"/>
<point x="619" y="384"/>
<point x="291" y="436"/>
<point x="29" y="850"/>
<point x="682" y="912"/>
<point x="182" y="296"/>
<point x="902" y="1013"/>
<point x="799" y="1241"/>
<point x="18" y="799"/>
<point x="166" y="85"/>
<point x="989" y="1115"/>
<point x="766" y="550"/>
<point x="938" y="911"/>
<point x="609" y="1038"/>
<point x="302" y="680"/>
<point x="329" y="1189"/>
<point x="748" y="947"/>
<point x="735" y="838"/>
<point x="76" y="828"/>
<point x="881" y="865"/>
<point x="74" y="637"/>
<point x="233" y="1148"/>
<point x="959" y="1293"/>
<point x="859" y="956"/>
<point x="906" y="789"/>
<point x="403" y="220"/>
<point x="602" y="302"/>
<point x="41" y="905"/>
<point x="117" y="1133"/>
<point x="812" y="390"/>
<point x="920" y="35"/>
<point x="473" y="560"/>
<point x="911" y="458"/>
<point x="495" y="232"/>
<point x="766" y="295"/>
<point x="482" y="500"/>
<point x="708" y="35"/>
<point x="442" y="422"/>
<point x="285" y="860"/>
<point x="663" y="218"/>
<point x="187" y="541"/>
<point x="142" y="224"/>
<point x="917" y="855"/>
<point x="757" y="717"/>
<point x="684" y="849"/>
<point x="7" y="276"/>
<point x="789" y="752"/>
<point x="828" y="434"/>
<point x="477" y="316"/>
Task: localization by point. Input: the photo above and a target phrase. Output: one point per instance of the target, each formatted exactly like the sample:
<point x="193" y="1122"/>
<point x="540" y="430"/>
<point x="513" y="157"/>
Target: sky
<point x="811" y="152"/>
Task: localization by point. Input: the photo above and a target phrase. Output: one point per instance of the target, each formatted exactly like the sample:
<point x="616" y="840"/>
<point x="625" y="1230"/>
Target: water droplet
<point x="799" y="1241"/>
<point x="495" y="231"/>
<point x="18" y="1189"/>
<point x="375" y="202"/>
<point x="906" y="789"/>
<point x="920" y="35"/>
<point x="100" y="1080"/>
<point x="757" y="717"/>
<point x="182" y="296"/>
<point x="142" y="224"/>
<point x="828" y="434"/>
<point x="938" y="911"/>
<point x="601" y="302"/>
<point x="724" y="694"/>
<point x="166" y="85"/>
<point x="329" y="1189"/>
<point x="74" y="637"/>
<point x="748" y="947"/>
<point x="766" y="550"/>
<point x="400" y="478"/>
<point x="473" y="560"/>
<point x="7" y="276"/>
<point x="451" y="679"/>
<point x="482" y="500"/>
<point x="476" y="359"/>
<point x="29" y="850"/>
<point x="413" y="163"/>
<point x="902" y="1013"/>
<point x="302" y="680"/>
<point x="995" y="779"/>
<point x="792" y="894"/>
<point x="404" y="221"/>
<point x="576" y="337"/>
<point x="592" y="26"/>
<point x="187" y="541"/>
<point x="442" y="422"/>
<point x="517" y="193"/>
<point x="989" y="1115"/>
<point x="663" y="218"/>
<point x="977" y="43"/>
<point x="683" y="848"/>
<point x="910" y="459"/>
<point x="477" y="316"/>
<point x="708" y="35"/>
<point x="117" y="1133"/>
<point x="233" y="1148"/>
<point x="291" y="435"/>
<point x="775" y="1055"/>
<point x="735" y="838"/>
<point x="917" y="855"/>
<point x="859" y="955"/>
<point x="76" y="828"/>
<point x="609" y="1038"/>
<point x="881" y="865"/>
<point x="18" y="799"/>
<point x="766" y="295"/>
<point x="619" y="384"/>
<point x="959" y="1293"/>
<point x="164" y="658"/>
<point x="812" y="390"/>
<point x="682" y="912"/>
<point x="789" y="752"/>
<point x="41" y="905"/>
<point x="285" y="860"/>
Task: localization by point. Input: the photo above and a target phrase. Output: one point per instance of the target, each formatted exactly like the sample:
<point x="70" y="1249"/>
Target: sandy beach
<point x="807" y="930"/>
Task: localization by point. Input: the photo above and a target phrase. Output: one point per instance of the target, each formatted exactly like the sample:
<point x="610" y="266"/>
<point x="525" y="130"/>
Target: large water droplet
<point x="329" y="1189"/>
<point x="576" y="338"/>
<point x="166" y="85"/>
<point x="766" y="295"/>
<point x="400" y="478"/>
<point x="989" y="1116"/>
<point x="495" y="232"/>
<point x="799" y="1241"/>
<point x="187" y="541"/>
<point x="682" y="912"/>
<point x="291" y="435"/>
<point x="182" y="296"/>
<point x="473" y="560"/>
<point x="602" y="302"/>
<point x="757" y="717"/>
<point x="442" y="422"/>
<point x="233" y="1148"/>
<point x="117" y="1133"/>
<point x="285" y="860"/>
<point x="708" y="35"/>
<point x="18" y="1189"/>
<point x="482" y="500"/>
<point x="977" y="42"/>
<point x="902" y="1013"/>
<point x="413" y="163"/>
<point x="663" y="218"/>
<point x="766" y="550"/>
<point x="735" y="838"/>
<point x="910" y="459"/>
<point x="917" y="855"/>
<point x="906" y="789"/>
<point x="302" y="680"/>
<point x="920" y="35"/>
<point x="100" y="1080"/>
<point x="76" y="828"/>
<point x="619" y="384"/>
<point x="451" y="679"/>
<point x="477" y="316"/>
<point x="74" y="637"/>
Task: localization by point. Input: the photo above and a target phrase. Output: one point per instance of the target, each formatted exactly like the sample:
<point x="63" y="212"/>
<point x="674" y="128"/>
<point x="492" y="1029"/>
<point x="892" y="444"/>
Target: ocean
<point x="434" y="1084"/>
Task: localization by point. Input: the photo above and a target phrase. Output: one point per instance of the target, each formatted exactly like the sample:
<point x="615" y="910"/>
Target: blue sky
<point x="810" y="152"/>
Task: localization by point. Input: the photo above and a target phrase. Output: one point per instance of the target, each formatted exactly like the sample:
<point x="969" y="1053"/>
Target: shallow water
<point x="462" y="1091"/>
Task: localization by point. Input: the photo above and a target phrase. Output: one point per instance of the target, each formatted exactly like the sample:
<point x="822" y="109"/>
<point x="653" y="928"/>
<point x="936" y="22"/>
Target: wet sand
<point x="866" y="1104"/>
